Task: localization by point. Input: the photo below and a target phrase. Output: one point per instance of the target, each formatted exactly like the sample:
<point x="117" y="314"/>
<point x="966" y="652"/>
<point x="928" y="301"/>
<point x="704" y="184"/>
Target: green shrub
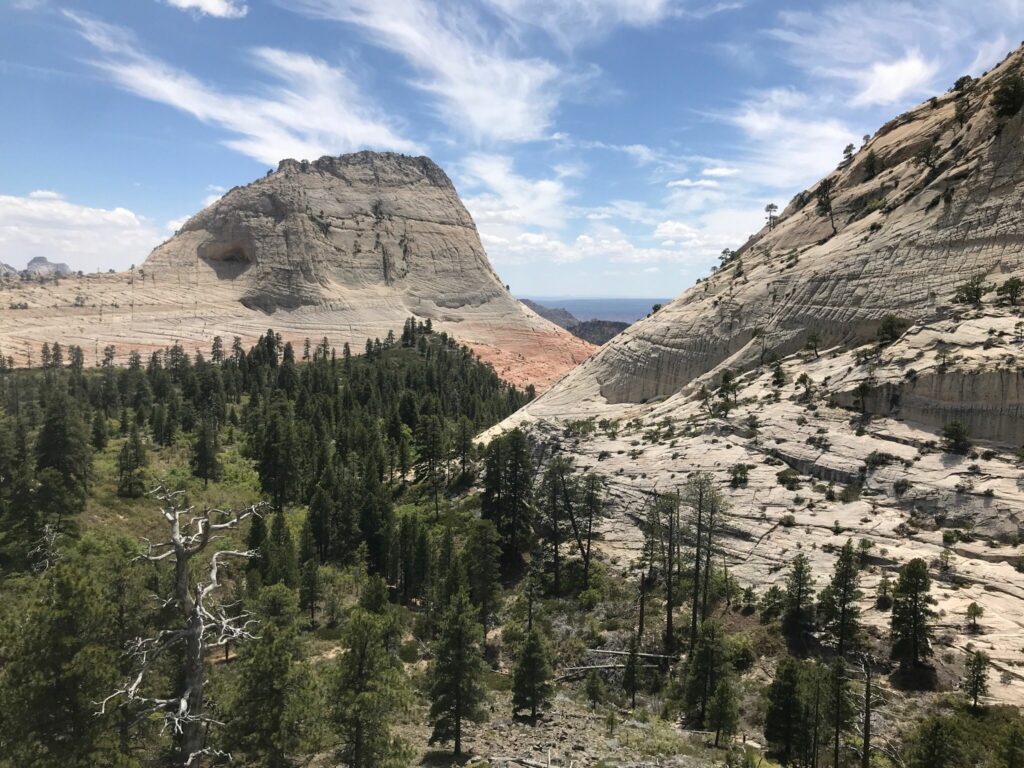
<point x="1009" y="97"/>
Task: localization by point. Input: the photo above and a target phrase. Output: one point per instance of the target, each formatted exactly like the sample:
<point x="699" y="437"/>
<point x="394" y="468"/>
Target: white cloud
<point x="787" y="146"/>
<point x="224" y="9"/>
<point x="674" y="230"/>
<point x="313" y="109"/>
<point x="891" y="82"/>
<point x="602" y="243"/>
<point x="214" y="193"/>
<point x="484" y="90"/>
<point x="875" y="45"/>
<point x="990" y="53"/>
<point x="693" y="183"/>
<point x="720" y="171"/>
<point x="508" y="202"/>
<point x="90" y="239"/>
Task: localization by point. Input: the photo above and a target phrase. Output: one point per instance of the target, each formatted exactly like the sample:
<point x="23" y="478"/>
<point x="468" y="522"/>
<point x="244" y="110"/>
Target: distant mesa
<point x="345" y="248"/>
<point x="40" y="266"/>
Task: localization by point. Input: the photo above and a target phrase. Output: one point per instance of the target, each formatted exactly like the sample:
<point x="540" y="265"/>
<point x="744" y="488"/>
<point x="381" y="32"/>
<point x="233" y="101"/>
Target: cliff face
<point x="317" y="234"/>
<point x="933" y="198"/>
<point x="344" y="247"/>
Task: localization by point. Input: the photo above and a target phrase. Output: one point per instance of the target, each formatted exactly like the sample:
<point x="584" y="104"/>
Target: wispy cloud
<point x="223" y="9"/>
<point x="45" y="224"/>
<point x="505" y="203"/>
<point x="789" y="142"/>
<point x="483" y="89"/>
<point x="571" y="22"/>
<point x="875" y="46"/>
<point x="311" y="109"/>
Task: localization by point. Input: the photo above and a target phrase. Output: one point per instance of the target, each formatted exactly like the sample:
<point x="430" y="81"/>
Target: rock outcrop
<point x="344" y="247"/>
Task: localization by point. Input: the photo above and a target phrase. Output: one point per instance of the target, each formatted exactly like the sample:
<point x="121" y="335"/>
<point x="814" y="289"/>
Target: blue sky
<point x="604" y="147"/>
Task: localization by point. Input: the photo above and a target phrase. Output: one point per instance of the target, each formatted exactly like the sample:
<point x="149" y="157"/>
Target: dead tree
<point x="872" y="709"/>
<point x="203" y="624"/>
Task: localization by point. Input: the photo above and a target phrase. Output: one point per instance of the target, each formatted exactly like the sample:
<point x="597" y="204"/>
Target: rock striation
<point x="343" y="247"/>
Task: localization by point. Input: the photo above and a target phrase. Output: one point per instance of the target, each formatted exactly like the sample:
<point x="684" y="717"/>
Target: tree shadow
<point x="444" y="757"/>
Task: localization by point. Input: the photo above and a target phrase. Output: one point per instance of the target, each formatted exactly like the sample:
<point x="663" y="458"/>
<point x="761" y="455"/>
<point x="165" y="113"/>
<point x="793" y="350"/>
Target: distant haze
<point x="619" y="309"/>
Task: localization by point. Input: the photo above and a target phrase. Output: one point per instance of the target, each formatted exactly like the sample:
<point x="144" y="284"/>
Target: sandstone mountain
<point x="841" y="437"/>
<point x="344" y="247"/>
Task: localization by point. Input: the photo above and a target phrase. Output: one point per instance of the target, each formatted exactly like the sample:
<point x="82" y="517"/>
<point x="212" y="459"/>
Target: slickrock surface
<point x="911" y="491"/>
<point x="345" y="247"/>
<point x="907" y="237"/>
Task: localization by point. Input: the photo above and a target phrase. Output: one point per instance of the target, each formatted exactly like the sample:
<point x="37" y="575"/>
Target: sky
<point x="603" y="147"/>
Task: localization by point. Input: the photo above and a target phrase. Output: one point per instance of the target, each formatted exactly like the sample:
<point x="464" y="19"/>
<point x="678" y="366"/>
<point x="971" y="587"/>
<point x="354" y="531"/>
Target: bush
<point x="971" y="292"/>
<point x="789" y="478"/>
<point x="955" y="438"/>
<point x="892" y="328"/>
<point x="1009" y="97"/>
<point x="742" y="653"/>
<point x="877" y="459"/>
<point x="739" y="474"/>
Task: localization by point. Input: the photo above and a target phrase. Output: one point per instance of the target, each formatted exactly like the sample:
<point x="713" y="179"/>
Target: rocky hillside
<point x="597" y="332"/>
<point x="934" y="197"/>
<point x="344" y="247"/>
<point x="854" y="364"/>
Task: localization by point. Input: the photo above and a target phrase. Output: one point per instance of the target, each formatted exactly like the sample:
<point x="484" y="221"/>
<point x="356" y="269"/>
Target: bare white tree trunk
<point x="203" y="624"/>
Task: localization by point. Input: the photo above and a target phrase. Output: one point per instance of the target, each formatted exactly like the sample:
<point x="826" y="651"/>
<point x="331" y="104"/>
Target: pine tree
<point x="482" y="556"/>
<point x="556" y="497"/>
<point x="456" y="678"/>
<point x="938" y="743"/>
<point x="309" y="576"/>
<point x="798" y="613"/>
<point x="100" y="433"/>
<point x="976" y="679"/>
<point x="912" y="615"/>
<point x="278" y="451"/>
<point x="61" y="650"/>
<point x="506" y="499"/>
<point x="839" y="708"/>
<point x="205" y="447"/>
<point x="464" y="433"/>
<point x="531" y="680"/>
<point x="131" y="466"/>
<point x="369" y="692"/>
<point x="595" y="688"/>
<point x="724" y="708"/>
<point x="63" y="446"/>
<point x="268" y="721"/>
<point x="839" y="602"/>
<point x="281" y="564"/>
<point x="430" y="443"/>
<point x="707" y="665"/>
<point x="786" y="718"/>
